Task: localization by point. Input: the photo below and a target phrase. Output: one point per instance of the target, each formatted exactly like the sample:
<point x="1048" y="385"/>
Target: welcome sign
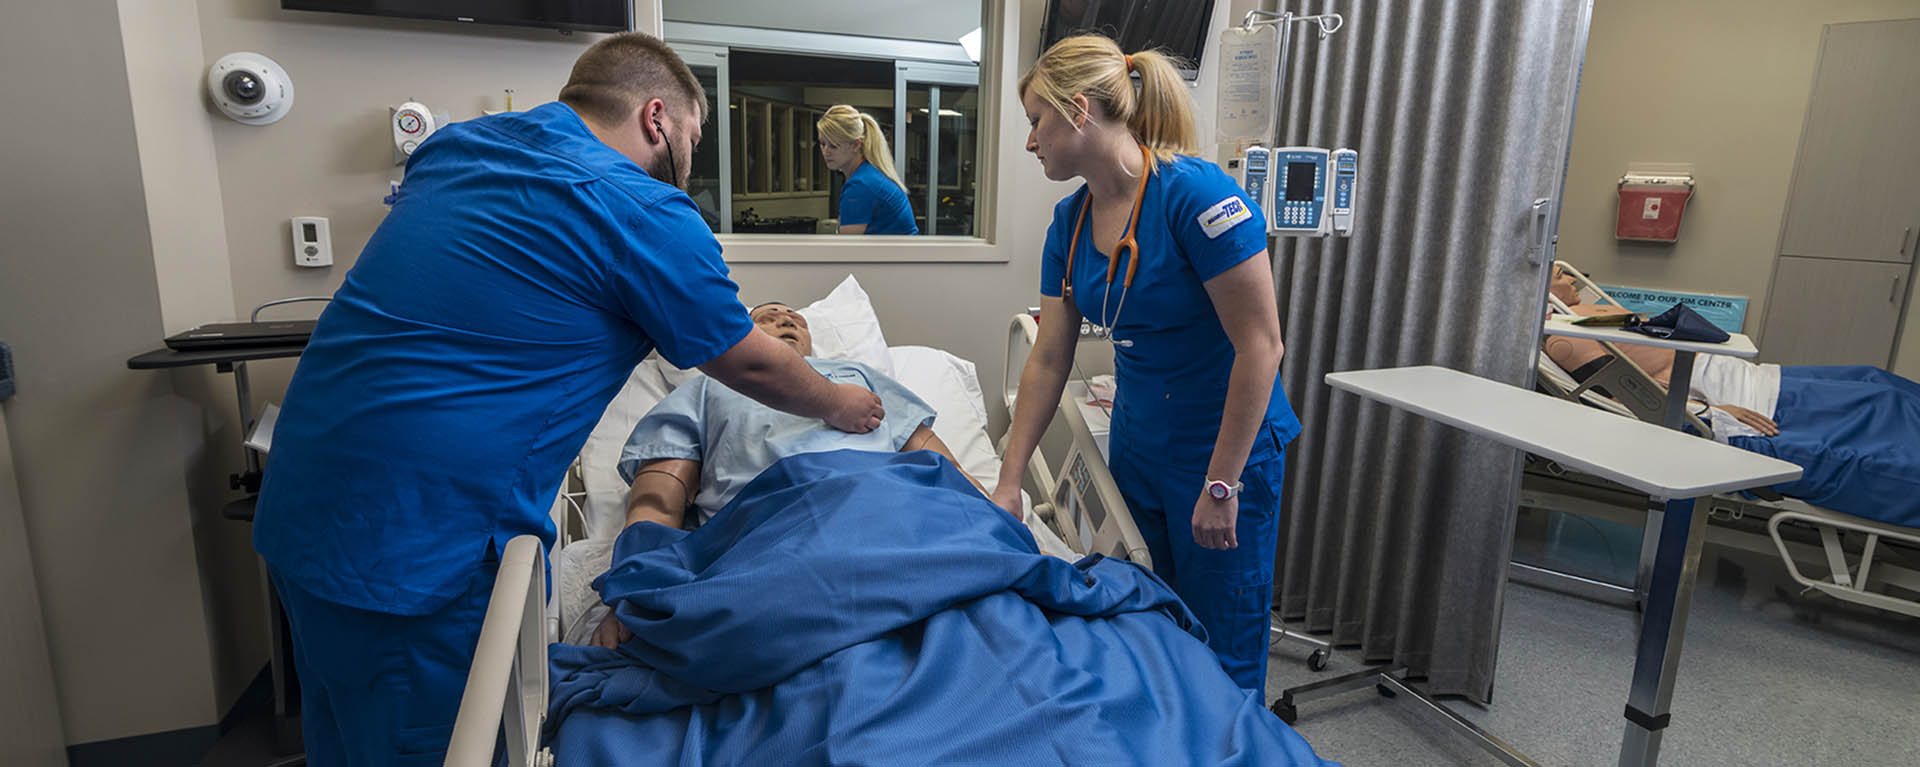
<point x="1728" y="313"/>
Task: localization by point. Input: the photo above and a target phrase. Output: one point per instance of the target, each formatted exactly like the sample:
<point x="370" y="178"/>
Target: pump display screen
<point x="1300" y="181"/>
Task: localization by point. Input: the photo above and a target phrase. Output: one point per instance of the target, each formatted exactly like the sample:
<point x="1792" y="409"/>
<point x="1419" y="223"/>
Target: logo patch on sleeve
<point x="1223" y="215"/>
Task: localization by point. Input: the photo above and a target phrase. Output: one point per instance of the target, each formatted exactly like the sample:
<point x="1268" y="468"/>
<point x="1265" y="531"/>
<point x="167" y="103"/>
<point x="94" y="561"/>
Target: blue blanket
<point x="1855" y="431"/>
<point x="872" y="608"/>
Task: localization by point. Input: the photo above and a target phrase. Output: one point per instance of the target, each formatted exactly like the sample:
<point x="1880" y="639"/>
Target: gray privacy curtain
<point x="1396" y="530"/>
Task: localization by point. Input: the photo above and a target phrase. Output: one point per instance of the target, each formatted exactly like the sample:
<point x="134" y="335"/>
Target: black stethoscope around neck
<point x="1128" y="244"/>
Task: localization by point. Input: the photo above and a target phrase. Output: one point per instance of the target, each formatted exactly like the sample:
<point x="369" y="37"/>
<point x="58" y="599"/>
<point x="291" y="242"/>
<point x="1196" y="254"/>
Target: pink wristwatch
<point x="1221" y="491"/>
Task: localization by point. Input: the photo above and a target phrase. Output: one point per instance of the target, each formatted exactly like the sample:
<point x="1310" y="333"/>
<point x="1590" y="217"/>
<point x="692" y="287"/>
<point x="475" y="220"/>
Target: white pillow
<point x="844" y="328"/>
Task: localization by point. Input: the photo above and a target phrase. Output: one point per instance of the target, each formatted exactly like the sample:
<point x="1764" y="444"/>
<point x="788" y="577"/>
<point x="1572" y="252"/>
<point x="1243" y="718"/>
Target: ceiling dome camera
<point x="250" y="88"/>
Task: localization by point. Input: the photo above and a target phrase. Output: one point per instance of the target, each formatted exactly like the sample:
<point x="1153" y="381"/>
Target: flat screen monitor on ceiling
<point x="569" y="15"/>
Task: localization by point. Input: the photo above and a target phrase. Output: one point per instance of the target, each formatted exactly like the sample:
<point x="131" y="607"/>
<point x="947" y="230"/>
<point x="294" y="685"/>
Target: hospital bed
<point x="1078" y="511"/>
<point x="508" y="687"/>
<point x="1884" y="561"/>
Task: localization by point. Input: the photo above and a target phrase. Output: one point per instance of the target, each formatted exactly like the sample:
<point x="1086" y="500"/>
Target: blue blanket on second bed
<point x="1855" y="431"/>
<point x="870" y="608"/>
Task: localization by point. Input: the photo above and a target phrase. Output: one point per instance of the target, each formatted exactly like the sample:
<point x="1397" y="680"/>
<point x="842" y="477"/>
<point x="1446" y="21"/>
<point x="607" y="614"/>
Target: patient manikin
<point x="704" y="442"/>
<point x="1752" y="411"/>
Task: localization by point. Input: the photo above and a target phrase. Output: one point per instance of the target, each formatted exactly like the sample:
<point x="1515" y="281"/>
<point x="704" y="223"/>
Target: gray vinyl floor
<point x="1766" y="678"/>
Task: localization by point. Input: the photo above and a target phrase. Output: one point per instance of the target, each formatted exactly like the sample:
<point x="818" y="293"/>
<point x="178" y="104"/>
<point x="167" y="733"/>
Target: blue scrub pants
<point x="377" y="688"/>
<point x="1231" y="591"/>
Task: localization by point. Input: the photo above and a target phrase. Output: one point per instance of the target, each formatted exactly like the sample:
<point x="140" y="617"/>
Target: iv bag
<point x="1249" y="64"/>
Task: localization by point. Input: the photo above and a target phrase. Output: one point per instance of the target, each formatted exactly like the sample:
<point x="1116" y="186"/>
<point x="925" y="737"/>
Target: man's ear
<point x="652" y="115"/>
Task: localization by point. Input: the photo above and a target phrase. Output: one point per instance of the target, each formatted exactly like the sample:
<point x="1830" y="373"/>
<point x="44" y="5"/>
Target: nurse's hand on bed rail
<point x="1007" y="496"/>
<point x="1753" y="420"/>
<point x="610" y="633"/>
<point x="856" y="410"/>
<point x="1214" y="522"/>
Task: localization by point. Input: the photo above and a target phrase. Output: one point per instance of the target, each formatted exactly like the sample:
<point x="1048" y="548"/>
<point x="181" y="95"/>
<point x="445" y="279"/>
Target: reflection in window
<point x="769" y="170"/>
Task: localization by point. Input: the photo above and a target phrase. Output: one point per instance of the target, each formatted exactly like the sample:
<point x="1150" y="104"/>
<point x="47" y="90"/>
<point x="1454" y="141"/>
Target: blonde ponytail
<point x="843" y="124"/>
<point x="1159" y="114"/>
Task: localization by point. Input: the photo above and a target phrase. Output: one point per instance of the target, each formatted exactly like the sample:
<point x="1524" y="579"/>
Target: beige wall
<point x="1721" y="84"/>
<point x="330" y="157"/>
<point x="101" y="452"/>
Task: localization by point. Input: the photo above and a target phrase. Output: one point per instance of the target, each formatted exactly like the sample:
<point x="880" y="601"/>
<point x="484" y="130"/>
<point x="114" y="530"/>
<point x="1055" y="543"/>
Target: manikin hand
<point x="1753" y="420"/>
<point x="610" y="633"/>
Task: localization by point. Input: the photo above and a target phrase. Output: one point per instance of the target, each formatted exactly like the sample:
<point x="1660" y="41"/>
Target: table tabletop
<point x="1654" y="460"/>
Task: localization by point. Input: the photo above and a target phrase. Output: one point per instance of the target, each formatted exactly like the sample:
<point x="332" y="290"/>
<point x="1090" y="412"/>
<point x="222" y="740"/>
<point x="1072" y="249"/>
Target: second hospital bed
<point x="1078" y="511"/>
<point x="1882" y="567"/>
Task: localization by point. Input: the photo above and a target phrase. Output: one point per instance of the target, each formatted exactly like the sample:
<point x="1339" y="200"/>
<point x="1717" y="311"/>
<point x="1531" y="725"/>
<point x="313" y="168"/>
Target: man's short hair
<point x="618" y="74"/>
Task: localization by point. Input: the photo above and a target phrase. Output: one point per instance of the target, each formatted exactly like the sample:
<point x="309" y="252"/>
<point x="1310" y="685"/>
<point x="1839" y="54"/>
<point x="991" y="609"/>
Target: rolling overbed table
<point x="1664" y="463"/>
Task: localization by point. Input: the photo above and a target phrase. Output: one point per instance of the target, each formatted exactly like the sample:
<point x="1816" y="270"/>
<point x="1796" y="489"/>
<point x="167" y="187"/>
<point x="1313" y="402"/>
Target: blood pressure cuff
<point x="1681" y="323"/>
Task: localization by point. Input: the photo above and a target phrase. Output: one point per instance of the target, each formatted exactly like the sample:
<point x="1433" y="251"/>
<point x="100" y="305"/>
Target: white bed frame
<point x="1848" y="573"/>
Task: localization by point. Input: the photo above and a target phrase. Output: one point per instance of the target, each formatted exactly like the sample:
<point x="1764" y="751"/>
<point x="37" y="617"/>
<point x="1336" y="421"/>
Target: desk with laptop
<point x="229" y="346"/>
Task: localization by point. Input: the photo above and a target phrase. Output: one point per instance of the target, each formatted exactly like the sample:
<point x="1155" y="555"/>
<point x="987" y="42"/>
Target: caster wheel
<point x="1317" y="661"/>
<point x="1385" y="691"/>
<point x="1286" y="712"/>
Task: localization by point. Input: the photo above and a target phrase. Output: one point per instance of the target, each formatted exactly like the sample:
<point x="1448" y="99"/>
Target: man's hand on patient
<point x="610" y="633"/>
<point x="1753" y="420"/>
<point x="856" y="410"/>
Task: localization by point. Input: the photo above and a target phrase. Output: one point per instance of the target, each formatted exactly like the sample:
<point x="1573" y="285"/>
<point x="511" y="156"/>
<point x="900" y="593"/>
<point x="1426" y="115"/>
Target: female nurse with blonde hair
<point x="873" y="200"/>
<point x="1165" y="250"/>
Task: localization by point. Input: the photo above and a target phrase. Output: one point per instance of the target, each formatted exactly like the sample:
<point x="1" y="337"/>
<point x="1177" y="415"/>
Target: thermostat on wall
<point x="312" y="243"/>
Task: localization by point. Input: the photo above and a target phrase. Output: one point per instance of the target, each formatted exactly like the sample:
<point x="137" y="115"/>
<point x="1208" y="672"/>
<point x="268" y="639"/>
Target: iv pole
<point x="1328" y="23"/>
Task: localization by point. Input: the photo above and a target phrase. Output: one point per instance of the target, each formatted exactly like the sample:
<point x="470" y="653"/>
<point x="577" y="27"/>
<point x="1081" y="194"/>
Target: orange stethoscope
<point x="1128" y="245"/>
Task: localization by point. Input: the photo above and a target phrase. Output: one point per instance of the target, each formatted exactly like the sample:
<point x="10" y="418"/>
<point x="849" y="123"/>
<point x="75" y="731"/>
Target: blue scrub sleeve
<point x="857" y="201"/>
<point x="1053" y="255"/>
<point x="674" y="428"/>
<point x="668" y="277"/>
<point x="1215" y="223"/>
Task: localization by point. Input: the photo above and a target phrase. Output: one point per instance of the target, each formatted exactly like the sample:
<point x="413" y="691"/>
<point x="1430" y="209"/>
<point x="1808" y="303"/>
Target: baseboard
<point x="173" y="748"/>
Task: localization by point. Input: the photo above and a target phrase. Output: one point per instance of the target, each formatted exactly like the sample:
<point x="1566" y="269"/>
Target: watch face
<point x="1218" y="490"/>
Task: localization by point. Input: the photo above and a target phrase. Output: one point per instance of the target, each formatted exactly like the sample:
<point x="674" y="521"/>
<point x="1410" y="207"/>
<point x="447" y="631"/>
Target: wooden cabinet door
<point x="1856" y="183"/>
<point x="1833" y="312"/>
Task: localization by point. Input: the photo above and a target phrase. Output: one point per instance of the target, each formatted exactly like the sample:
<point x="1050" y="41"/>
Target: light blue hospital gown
<point x="736" y="438"/>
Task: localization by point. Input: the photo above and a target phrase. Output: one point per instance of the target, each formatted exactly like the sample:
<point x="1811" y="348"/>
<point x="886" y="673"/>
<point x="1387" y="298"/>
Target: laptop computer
<point x="242" y="335"/>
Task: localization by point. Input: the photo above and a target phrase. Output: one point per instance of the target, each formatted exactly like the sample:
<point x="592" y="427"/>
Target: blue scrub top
<point x="870" y="198"/>
<point x="524" y="270"/>
<point x="1195" y="223"/>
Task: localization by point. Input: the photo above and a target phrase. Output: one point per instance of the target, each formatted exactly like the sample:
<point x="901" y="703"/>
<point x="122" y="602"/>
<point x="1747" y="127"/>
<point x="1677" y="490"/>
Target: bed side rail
<point x="508" y="682"/>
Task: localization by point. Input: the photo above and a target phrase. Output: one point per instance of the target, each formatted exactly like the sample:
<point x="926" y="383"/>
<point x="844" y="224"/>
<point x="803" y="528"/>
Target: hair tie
<point x="1127" y="58"/>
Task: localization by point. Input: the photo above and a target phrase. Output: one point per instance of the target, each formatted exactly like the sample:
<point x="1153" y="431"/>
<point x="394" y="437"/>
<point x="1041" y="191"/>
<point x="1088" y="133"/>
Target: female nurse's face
<point x="839" y="157"/>
<point x="1052" y="139"/>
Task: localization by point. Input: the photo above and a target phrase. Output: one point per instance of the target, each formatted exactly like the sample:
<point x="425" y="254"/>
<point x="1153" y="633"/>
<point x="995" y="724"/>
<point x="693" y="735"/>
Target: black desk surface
<point x="169" y="358"/>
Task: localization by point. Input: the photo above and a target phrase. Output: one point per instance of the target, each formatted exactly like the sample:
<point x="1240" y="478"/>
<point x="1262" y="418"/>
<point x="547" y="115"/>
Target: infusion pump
<point x="1304" y="190"/>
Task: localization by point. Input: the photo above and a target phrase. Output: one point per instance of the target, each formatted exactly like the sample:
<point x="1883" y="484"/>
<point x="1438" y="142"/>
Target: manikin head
<point x="1564" y="288"/>
<point x="781" y="321"/>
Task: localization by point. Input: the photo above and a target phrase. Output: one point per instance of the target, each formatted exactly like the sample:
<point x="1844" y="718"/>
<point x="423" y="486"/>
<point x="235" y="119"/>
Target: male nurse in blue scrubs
<point x="530" y="261"/>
